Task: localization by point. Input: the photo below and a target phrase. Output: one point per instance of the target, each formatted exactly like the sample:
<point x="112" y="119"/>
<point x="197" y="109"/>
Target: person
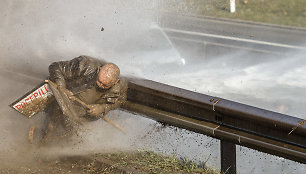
<point x="95" y="82"/>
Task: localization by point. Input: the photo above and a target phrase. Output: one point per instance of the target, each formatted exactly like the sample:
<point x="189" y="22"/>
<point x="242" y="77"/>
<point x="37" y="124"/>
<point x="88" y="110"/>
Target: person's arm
<point x="66" y="70"/>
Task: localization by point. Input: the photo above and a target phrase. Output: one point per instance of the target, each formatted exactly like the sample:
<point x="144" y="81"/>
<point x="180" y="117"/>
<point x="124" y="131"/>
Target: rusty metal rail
<point x="231" y="122"/>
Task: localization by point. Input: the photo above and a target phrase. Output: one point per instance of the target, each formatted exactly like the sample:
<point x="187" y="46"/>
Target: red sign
<point x="34" y="101"/>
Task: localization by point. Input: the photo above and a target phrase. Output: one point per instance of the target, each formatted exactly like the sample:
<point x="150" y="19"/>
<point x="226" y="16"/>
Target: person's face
<point x="101" y="85"/>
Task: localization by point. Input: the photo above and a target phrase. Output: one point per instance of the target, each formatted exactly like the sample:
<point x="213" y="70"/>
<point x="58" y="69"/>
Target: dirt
<point x="120" y="162"/>
<point x="36" y="106"/>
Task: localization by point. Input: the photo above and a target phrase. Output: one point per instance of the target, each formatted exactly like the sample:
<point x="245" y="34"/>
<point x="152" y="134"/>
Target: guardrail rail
<point x="231" y="122"/>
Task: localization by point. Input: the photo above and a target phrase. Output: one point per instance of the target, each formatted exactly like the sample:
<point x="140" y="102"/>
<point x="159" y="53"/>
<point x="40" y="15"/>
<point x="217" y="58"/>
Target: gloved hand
<point x="96" y="109"/>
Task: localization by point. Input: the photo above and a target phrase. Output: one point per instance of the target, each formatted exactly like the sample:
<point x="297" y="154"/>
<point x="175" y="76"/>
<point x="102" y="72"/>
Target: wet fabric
<point x="79" y="75"/>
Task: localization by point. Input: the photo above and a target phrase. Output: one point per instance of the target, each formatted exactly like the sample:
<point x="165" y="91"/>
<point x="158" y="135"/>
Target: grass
<point x="150" y="162"/>
<point x="110" y="163"/>
<point x="281" y="12"/>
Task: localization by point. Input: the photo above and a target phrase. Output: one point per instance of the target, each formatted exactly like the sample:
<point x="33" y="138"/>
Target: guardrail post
<point x="228" y="157"/>
<point x="227" y="121"/>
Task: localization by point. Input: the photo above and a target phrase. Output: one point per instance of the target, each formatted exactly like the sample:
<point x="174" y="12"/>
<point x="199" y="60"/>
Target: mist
<point x="36" y="33"/>
<point x="273" y="84"/>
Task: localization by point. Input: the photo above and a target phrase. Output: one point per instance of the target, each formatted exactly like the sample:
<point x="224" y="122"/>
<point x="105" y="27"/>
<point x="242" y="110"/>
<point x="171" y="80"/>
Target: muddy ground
<point x="119" y="162"/>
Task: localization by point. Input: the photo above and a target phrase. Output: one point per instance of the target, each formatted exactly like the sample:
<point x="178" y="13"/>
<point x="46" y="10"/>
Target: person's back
<point x="94" y="82"/>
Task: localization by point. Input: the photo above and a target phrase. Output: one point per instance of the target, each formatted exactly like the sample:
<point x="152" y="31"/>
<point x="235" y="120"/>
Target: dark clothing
<point x="79" y="75"/>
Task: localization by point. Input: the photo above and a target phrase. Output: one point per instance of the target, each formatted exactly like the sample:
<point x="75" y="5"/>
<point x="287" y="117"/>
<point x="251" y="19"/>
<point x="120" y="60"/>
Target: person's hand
<point x="96" y="109"/>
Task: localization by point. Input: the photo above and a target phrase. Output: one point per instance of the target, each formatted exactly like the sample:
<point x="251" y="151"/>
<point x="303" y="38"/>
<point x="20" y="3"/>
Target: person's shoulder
<point x="121" y="85"/>
<point x="91" y="60"/>
<point x="123" y="82"/>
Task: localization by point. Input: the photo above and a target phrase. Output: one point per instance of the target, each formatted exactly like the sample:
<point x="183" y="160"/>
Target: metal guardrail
<point x="231" y="122"/>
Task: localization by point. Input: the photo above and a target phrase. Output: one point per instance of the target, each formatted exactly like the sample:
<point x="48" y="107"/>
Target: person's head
<point x="108" y="75"/>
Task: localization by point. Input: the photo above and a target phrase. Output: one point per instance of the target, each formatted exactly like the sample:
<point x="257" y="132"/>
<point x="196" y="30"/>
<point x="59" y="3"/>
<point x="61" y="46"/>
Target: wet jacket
<point x="79" y="75"/>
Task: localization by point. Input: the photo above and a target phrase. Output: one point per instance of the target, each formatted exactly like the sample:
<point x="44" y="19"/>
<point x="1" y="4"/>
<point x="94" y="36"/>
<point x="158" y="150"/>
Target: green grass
<point x="281" y="12"/>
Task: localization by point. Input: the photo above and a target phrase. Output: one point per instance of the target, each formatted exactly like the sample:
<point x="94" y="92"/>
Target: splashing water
<point x="35" y="34"/>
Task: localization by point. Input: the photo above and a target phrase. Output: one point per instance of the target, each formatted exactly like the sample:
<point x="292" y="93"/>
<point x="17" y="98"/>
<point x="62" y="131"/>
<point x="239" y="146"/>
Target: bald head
<point x="108" y="75"/>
